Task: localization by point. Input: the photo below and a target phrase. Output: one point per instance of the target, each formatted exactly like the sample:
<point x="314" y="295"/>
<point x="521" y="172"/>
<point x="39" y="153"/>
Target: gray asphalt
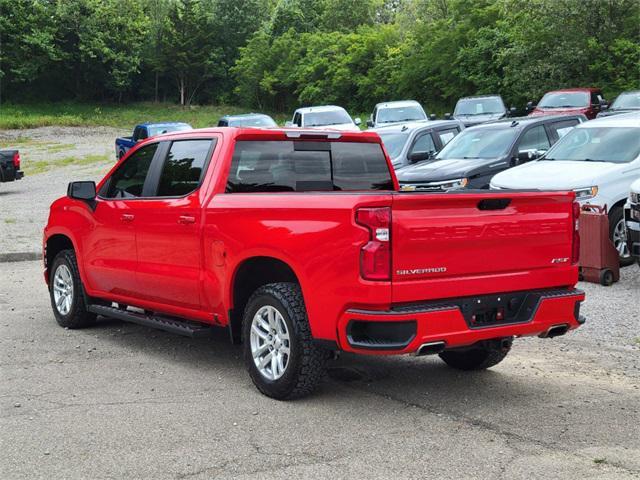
<point x="122" y="401"/>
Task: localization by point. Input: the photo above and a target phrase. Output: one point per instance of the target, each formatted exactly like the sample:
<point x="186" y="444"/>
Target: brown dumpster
<point x="599" y="259"/>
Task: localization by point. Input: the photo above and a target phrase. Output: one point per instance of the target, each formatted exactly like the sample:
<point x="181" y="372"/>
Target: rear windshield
<point x="257" y="121"/>
<point x="153" y="131"/>
<point x="287" y="166"/>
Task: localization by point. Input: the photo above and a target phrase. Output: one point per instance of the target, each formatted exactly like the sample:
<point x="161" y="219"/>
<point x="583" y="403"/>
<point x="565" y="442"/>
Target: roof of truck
<point x="319" y="108"/>
<point x="524" y="121"/>
<point x="398" y="104"/>
<point x="631" y="119"/>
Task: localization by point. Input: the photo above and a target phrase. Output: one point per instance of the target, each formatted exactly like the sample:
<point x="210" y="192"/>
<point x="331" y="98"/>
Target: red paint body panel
<point x="588" y="110"/>
<point x="180" y="256"/>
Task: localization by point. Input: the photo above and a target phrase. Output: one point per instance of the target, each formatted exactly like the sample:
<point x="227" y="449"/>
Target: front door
<point x="169" y="226"/>
<point x="110" y="252"/>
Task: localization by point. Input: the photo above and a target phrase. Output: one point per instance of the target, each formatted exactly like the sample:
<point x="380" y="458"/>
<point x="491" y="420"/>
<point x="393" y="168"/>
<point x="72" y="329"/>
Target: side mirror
<point x="603" y="104"/>
<point x="85" y="191"/>
<point x="357" y="121"/>
<point x="528" y="155"/>
<point x="416" y="157"/>
<point x="447" y="116"/>
<point x="370" y="123"/>
<point x="288" y="124"/>
<point x="530" y="106"/>
<point x="512" y="112"/>
<point x="433" y="116"/>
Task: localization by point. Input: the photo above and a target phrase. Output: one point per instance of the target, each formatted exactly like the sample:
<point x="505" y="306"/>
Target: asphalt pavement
<point x="122" y="401"/>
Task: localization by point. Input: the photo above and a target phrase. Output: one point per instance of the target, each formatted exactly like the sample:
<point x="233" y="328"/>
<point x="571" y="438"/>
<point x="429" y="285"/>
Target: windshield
<point x="598" y="144"/>
<point x="394" y="142"/>
<point x="480" y="143"/>
<point x="257" y="121"/>
<point x="400" y="114"/>
<point x="627" y="100"/>
<point x="479" y="106"/>
<point x="332" y="117"/>
<point x="153" y="131"/>
<point x="564" y="100"/>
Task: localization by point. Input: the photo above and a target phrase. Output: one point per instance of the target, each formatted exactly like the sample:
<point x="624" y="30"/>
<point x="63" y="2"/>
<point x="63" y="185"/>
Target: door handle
<point x="127" y="217"/>
<point x="186" y="219"/>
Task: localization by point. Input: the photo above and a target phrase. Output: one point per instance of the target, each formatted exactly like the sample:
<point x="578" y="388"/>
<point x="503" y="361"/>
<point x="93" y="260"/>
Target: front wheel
<point x="478" y="357"/>
<point x="618" y="235"/>
<point x="279" y="352"/>
<point x="67" y="292"/>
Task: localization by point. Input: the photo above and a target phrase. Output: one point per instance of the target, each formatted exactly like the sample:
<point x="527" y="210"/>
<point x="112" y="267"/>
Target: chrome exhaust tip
<point x="431" y="348"/>
<point x="555" y="331"/>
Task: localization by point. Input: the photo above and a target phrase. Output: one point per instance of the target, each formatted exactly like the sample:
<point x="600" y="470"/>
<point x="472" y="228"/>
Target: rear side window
<point x="447" y="135"/>
<point x="183" y="167"/>
<point x="129" y="179"/>
<point x="287" y="166"/>
<point x="534" y="139"/>
<point x="563" y="127"/>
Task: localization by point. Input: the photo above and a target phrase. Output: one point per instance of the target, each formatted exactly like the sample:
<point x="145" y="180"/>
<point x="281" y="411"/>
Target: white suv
<point x="325" y="116"/>
<point x="598" y="160"/>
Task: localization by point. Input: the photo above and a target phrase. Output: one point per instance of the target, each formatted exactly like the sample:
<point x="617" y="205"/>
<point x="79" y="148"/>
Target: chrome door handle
<point x="186" y="219"/>
<point x="127" y="217"/>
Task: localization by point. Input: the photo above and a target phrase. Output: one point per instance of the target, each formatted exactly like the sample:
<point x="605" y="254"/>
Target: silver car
<point x="409" y="143"/>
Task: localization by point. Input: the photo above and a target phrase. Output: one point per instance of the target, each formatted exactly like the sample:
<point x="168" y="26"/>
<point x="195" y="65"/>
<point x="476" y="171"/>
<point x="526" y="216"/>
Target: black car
<point x="247" y="120"/>
<point x="480" y="109"/>
<point x="10" y="166"/>
<point x="625" y="102"/>
<point x="472" y="158"/>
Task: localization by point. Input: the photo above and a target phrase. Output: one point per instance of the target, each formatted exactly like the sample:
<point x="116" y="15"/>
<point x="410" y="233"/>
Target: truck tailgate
<point x="460" y="244"/>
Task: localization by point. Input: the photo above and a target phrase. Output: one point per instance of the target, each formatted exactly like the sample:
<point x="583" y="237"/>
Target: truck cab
<point x="570" y="101"/>
<point x="144" y="131"/>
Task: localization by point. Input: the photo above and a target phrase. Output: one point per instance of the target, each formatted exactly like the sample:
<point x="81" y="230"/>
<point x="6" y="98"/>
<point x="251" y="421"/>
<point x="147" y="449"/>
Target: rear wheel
<point x="478" y="357"/>
<point x="618" y="235"/>
<point x="67" y="292"/>
<point x="279" y="352"/>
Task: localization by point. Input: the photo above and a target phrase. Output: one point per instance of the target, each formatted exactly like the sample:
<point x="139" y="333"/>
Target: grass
<point x="69" y="114"/>
<point x="40" y="166"/>
<point x="599" y="461"/>
<point x="10" y="220"/>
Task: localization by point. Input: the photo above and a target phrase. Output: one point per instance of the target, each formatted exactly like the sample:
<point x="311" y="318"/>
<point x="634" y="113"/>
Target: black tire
<point x="606" y="277"/>
<point x="78" y="316"/>
<point x="616" y="215"/>
<point x="479" y="357"/>
<point x="306" y="362"/>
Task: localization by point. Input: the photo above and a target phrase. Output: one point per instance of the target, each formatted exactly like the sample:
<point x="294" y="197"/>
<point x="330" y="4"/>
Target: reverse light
<point x="375" y="255"/>
<point x="575" y="244"/>
<point x="16" y="161"/>
<point x="585" y="193"/>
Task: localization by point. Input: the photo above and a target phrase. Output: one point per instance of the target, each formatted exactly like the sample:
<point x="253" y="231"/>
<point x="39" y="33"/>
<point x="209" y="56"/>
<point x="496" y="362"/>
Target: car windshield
<point x="257" y="121"/>
<point x="479" y="106"/>
<point x="598" y="144"/>
<point x="479" y="143"/>
<point x="564" y="100"/>
<point x="627" y="100"/>
<point x="400" y="114"/>
<point x="394" y="142"/>
<point x="153" y="131"/>
<point x="332" y="117"/>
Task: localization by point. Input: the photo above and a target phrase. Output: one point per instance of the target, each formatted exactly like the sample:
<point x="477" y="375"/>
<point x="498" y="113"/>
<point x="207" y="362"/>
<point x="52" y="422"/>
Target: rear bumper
<point x="405" y="328"/>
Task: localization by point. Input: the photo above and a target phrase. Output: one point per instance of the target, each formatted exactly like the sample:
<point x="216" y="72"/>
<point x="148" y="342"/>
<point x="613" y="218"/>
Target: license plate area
<point x="496" y="310"/>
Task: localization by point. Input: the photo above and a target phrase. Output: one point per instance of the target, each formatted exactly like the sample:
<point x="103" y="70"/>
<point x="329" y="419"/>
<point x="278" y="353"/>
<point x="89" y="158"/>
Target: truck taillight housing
<point x="16" y="161"/>
<point x="375" y="255"/>
<point x="575" y="247"/>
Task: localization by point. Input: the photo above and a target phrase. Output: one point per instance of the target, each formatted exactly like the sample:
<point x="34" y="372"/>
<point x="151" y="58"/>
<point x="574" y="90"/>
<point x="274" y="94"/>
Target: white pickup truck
<point x="598" y="160"/>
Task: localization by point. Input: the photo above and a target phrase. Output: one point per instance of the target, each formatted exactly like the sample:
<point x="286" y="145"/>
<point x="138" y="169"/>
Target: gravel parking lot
<point x="123" y="401"/>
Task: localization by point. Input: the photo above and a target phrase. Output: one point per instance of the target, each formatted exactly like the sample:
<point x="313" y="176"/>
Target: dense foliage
<point x="277" y="54"/>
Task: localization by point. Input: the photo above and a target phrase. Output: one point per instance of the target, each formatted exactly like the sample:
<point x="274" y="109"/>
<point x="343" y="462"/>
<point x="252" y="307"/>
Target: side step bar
<point x="181" y="327"/>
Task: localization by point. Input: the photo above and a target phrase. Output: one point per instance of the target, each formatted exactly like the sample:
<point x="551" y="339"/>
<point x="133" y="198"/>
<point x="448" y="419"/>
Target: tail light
<point x="575" y="249"/>
<point x="375" y="256"/>
<point x="16" y="160"/>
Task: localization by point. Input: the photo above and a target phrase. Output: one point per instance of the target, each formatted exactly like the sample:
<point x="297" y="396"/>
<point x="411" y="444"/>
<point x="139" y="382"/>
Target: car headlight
<point x="586" y="193"/>
<point x="453" y="184"/>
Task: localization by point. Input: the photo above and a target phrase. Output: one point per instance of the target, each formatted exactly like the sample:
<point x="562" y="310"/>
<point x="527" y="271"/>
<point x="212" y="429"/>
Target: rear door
<point x="169" y="225"/>
<point x="457" y="244"/>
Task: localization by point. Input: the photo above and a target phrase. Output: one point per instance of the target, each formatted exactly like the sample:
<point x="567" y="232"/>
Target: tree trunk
<point x="155" y="94"/>
<point x="182" y="88"/>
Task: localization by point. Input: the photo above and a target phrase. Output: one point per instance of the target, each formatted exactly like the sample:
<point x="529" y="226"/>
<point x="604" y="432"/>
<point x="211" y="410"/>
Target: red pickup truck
<point x="300" y="243"/>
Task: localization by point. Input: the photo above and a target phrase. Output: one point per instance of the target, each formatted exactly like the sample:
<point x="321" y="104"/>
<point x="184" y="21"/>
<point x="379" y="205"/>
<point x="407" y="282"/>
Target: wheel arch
<point x="249" y="275"/>
<point x="53" y="245"/>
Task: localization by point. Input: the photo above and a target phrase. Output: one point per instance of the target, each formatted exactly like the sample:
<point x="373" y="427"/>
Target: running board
<point x="181" y="327"/>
